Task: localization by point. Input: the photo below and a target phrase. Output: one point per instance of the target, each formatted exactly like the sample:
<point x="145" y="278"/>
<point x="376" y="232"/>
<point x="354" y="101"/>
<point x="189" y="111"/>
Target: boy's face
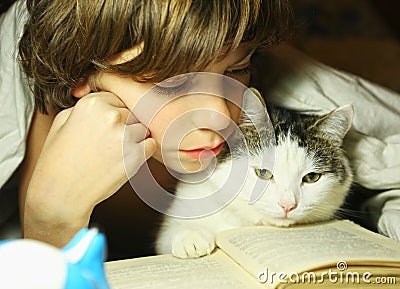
<point x="189" y="125"/>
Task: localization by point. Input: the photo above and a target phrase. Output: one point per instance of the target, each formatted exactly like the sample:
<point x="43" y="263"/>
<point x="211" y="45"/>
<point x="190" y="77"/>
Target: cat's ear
<point x="253" y="109"/>
<point x="337" y="123"/>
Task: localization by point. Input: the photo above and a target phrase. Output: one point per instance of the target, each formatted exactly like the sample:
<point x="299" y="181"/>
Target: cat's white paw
<point x="192" y="243"/>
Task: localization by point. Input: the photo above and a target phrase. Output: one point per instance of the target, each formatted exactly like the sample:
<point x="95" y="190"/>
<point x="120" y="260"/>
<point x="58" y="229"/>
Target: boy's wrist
<point x="54" y="224"/>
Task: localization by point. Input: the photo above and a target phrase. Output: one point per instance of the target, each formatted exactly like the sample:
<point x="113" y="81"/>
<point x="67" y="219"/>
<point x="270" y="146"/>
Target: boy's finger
<point x="135" y="133"/>
<point x="131" y="119"/>
<point x="135" y="157"/>
<point x="105" y="101"/>
<point x="61" y="118"/>
<point x="150" y="147"/>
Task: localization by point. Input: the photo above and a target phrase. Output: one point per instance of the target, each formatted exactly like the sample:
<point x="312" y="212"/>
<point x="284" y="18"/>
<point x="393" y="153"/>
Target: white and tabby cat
<point x="308" y="182"/>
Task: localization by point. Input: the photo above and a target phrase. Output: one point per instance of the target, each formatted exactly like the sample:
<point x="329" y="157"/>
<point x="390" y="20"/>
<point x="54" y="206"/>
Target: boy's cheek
<point x="125" y="88"/>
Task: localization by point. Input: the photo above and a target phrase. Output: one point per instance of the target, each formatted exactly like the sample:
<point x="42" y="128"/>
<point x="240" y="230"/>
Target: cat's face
<point x="296" y="189"/>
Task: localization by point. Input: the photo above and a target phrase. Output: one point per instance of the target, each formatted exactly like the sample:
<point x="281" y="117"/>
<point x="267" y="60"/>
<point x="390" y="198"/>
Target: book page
<point x="308" y="247"/>
<point x="216" y="271"/>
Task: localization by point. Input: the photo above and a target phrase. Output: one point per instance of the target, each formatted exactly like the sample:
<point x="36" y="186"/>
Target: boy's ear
<point x="81" y="90"/>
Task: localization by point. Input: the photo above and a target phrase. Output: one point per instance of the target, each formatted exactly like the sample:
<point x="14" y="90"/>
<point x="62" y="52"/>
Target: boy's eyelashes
<point x="238" y="71"/>
<point x="174" y="87"/>
<point x="170" y="90"/>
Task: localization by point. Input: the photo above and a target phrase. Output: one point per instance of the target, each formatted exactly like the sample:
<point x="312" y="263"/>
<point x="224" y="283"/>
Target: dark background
<point x="358" y="36"/>
<point x="4" y="4"/>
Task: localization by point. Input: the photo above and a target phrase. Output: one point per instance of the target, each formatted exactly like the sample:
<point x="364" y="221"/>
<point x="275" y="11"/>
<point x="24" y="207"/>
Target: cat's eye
<point x="311" y="177"/>
<point x="263" y="174"/>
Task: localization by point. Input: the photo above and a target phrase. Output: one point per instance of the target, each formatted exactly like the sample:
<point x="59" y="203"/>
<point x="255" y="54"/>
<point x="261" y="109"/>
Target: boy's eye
<point x="238" y="71"/>
<point x="169" y="90"/>
<point x="263" y="173"/>
<point x="173" y="85"/>
<point x="311" y="177"/>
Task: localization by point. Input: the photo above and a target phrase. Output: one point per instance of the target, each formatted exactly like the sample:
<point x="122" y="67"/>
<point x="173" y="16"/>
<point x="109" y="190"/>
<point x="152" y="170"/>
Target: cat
<point x="308" y="182"/>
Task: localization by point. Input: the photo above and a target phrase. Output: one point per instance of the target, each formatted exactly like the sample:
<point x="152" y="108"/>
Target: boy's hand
<point x="82" y="161"/>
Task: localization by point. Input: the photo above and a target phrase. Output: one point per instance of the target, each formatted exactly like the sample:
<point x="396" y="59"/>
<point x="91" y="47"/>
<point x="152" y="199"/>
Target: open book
<point x="328" y="255"/>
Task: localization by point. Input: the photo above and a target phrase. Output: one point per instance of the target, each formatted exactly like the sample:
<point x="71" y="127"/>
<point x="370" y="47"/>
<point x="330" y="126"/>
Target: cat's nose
<point x="287" y="206"/>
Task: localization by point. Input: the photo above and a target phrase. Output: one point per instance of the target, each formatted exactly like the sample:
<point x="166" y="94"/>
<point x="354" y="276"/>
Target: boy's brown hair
<point x="66" y="41"/>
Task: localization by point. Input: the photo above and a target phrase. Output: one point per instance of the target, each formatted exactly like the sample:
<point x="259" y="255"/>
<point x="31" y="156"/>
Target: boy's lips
<point x="204" y="152"/>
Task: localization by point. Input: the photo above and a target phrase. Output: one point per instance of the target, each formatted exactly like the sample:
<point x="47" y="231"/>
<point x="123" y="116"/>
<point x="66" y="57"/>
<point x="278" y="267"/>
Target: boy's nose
<point x="213" y="113"/>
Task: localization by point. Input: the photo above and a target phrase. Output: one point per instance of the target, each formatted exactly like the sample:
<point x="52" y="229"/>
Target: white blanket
<point x="16" y="99"/>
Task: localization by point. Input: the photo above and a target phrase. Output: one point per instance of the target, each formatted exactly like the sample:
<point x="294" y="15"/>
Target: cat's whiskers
<point x="344" y="213"/>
